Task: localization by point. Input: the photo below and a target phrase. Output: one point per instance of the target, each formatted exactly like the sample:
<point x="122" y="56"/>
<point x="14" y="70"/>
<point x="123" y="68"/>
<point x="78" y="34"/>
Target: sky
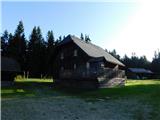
<point x="125" y="26"/>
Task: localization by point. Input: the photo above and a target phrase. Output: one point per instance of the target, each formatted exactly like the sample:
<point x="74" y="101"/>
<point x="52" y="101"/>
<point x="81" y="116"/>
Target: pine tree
<point x="4" y="43"/>
<point x="82" y="37"/>
<point x="106" y="50"/>
<point x="87" y="39"/>
<point x="114" y="54"/>
<point x="64" y="37"/>
<point x="17" y="45"/>
<point x="50" y="52"/>
<point x="126" y="60"/>
<point x="36" y="53"/>
<point x="155" y="65"/>
<point x="143" y="62"/>
<point x="10" y="40"/>
<point x="50" y="40"/>
<point x="58" y="40"/>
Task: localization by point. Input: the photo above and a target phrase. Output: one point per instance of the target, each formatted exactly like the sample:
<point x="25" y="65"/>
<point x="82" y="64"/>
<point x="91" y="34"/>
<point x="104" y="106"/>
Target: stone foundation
<point x="84" y="84"/>
<point x="114" y="82"/>
<point x="91" y="83"/>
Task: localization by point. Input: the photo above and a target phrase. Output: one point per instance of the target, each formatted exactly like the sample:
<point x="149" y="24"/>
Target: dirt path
<point x="67" y="108"/>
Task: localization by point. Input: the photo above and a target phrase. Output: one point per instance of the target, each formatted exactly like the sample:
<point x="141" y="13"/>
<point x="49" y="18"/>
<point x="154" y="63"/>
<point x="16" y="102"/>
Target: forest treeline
<point x="36" y="54"/>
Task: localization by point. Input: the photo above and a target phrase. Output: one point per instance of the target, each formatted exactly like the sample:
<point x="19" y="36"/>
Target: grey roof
<point x="92" y="50"/>
<point x="140" y="70"/>
<point x="9" y="64"/>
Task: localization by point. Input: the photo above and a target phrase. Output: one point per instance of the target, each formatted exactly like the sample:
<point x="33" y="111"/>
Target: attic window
<point x="62" y="56"/>
<point x="75" y="52"/>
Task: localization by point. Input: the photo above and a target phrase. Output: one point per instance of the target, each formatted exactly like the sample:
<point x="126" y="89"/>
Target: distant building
<point x="81" y="64"/>
<point x="139" y="73"/>
<point x="9" y="69"/>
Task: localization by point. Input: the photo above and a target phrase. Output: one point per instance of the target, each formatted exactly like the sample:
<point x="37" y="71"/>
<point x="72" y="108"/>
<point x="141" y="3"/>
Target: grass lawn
<point x="142" y="82"/>
<point x="37" y="99"/>
<point x="34" y="80"/>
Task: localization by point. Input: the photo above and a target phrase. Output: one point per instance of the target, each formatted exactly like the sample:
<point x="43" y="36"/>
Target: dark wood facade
<point x="9" y="69"/>
<point x="73" y="66"/>
<point x="139" y="73"/>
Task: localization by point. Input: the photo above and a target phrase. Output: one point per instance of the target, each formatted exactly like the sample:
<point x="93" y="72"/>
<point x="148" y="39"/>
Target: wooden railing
<point x="91" y="73"/>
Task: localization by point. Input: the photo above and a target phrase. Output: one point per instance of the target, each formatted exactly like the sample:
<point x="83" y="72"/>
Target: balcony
<point x="100" y="74"/>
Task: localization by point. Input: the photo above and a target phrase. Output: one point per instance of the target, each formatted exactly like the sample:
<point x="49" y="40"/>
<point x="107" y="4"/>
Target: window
<point x="102" y="65"/>
<point x="75" y="52"/>
<point x="62" y="68"/>
<point x="87" y="65"/>
<point x="62" y="56"/>
<point x="75" y="66"/>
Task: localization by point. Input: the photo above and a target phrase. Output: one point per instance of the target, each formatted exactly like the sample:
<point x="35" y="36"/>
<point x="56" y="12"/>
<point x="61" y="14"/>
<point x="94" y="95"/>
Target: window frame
<point x="62" y="56"/>
<point x="75" y="53"/>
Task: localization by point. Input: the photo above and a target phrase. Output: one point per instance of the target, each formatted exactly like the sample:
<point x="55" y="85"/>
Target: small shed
<point x="9" y="69"/>
<point x="139" y="73"/>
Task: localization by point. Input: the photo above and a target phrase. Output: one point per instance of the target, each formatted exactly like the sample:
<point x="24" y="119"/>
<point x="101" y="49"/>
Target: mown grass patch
<point x="23" y="88"/>
<point x="146" y="92"/>
<point x="142" y="82"/>
<point x="131" y="88"/>
<point x="34" y="80"/>
<point x="42" y="87"/>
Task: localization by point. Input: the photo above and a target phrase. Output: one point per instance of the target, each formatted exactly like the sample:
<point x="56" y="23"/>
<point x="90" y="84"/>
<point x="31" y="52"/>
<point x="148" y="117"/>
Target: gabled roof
<point x="92" y="50"/>
<point x="9" y="64"/>
<point x="140" y="70"/>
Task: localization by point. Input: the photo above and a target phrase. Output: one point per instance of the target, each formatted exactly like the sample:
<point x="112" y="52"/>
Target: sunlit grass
<point x="20" y="90"/>
<point x="144" y="91"/>
<point x="33" y="80"/>
<point x="142" y="82"/>
<point x="5" y="91"/>
<point x="28" y="88"/>
<point x="42" y="87"/>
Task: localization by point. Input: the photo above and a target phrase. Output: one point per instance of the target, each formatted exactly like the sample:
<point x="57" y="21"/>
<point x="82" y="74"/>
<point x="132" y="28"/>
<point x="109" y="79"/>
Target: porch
<point x="100" y="74"/>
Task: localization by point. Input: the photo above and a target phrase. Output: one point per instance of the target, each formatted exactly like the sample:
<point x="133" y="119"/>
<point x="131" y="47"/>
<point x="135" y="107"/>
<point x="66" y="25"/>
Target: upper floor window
<point x="62" y="68"/>
<point x="102" y="65"/>
<point x="75" y="52"/>
<point x="75" y="66"/>
<point x="62" y="56"/>
<point x="87" y="65"/>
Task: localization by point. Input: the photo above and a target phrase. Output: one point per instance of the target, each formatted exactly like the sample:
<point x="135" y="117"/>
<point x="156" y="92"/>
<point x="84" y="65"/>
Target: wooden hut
<point x="9" y="69"/>
<point x="139" y="73"/>
<point x="83" y="64"/>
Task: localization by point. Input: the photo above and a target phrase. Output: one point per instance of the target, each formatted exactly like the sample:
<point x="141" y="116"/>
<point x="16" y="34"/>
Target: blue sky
<point x="105" y="22"/>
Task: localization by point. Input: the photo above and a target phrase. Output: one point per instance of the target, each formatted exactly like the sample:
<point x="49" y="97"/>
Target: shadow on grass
<point x="41" y="89"/>
<point x="117" y="92"/>
<point x="27" y="89"/>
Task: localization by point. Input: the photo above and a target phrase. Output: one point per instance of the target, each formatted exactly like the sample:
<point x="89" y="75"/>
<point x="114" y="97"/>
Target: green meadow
<point x="140" y="99"/>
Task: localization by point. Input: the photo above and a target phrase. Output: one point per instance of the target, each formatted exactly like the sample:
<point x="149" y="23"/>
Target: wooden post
<point x="27" y="74"/>
<point x="23" y="74"/>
